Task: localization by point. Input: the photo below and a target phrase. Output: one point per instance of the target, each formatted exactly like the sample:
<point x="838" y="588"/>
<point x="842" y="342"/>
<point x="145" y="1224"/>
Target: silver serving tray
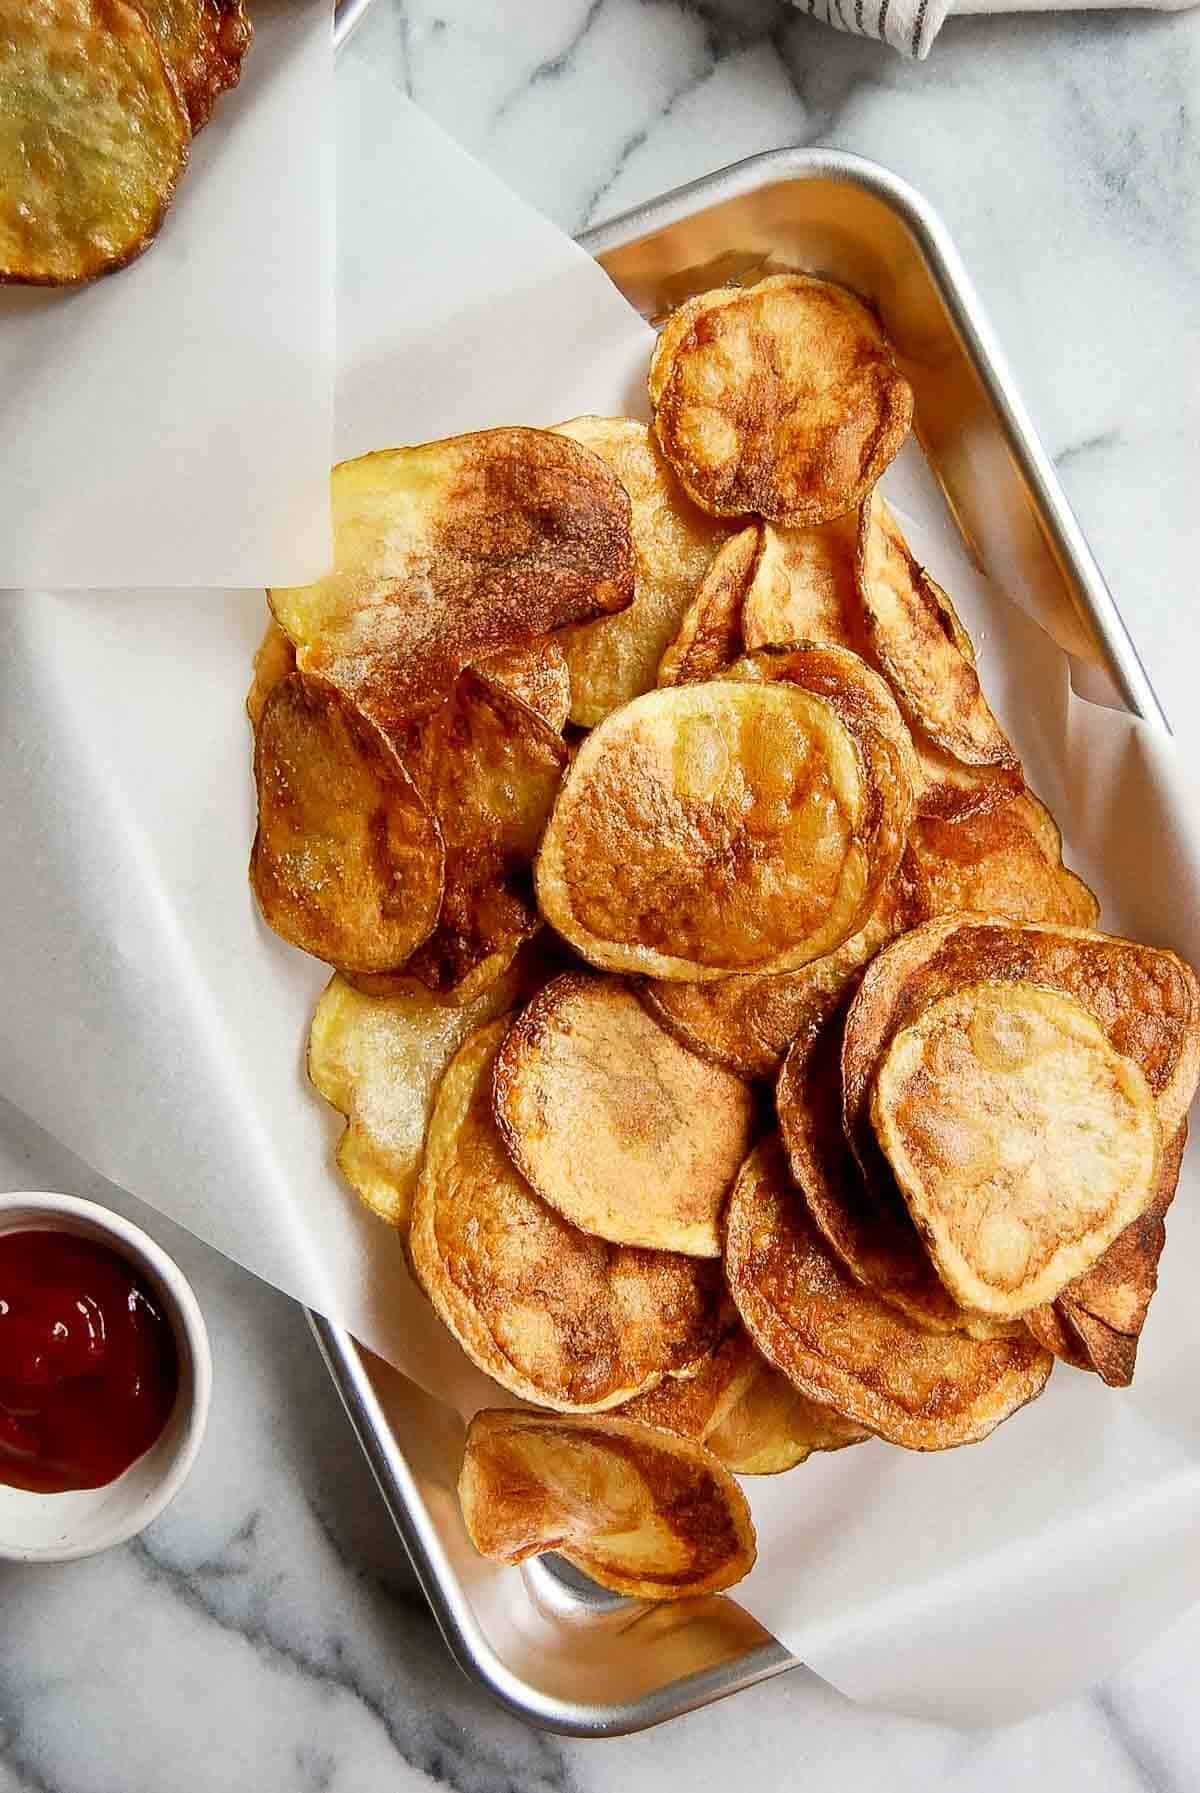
<point x="551" y="1647"/>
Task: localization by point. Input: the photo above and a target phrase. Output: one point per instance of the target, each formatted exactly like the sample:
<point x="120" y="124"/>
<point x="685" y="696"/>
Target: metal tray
<point x="551" y="1647"/>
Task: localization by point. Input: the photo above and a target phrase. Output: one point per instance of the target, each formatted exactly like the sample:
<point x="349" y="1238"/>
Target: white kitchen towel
<point x="910" y="26"/>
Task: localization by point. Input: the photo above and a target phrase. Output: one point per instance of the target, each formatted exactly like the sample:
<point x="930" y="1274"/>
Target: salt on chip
<point x="710" y="634"/>
<point x="454" y="550"/>
<point x="555" y="1316"/>
<point x="641" y="1511"/>
<point x="347" y="860"/>
<point x="709" y="829"/>
<point x="844" y="1347"/>
<point x="780" y="399"/>
<point x="614" y="1123"/>
<point x="204" y="43"/>
<point x="537" y="674"/>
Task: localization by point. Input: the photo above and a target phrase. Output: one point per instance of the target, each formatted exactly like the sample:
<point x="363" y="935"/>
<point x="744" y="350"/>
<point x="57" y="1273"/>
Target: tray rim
<point x="464" y="1637"/>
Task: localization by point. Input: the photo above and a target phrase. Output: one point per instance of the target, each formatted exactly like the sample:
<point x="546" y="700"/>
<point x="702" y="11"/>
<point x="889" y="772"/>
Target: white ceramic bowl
<point x="57" y="1528"/>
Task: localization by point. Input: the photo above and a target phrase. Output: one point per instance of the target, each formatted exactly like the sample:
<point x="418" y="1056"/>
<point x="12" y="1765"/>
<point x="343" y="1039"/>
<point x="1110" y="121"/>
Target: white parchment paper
<point x="153" y="1024"/>
<point x="169" y="424"/>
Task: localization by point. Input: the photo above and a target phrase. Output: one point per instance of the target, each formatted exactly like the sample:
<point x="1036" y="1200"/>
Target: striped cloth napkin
<point x="910" y="26"/>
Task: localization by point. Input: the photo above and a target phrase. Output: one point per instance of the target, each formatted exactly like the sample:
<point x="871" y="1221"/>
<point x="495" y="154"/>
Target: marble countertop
<point x="266" y="1633"/>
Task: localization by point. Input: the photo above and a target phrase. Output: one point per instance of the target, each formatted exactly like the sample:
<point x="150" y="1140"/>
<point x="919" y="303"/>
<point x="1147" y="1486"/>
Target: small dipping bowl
<point x="59" y="1528"/>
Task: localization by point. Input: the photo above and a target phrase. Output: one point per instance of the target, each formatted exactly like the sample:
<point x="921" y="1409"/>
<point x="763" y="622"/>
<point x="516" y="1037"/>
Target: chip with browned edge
<point x="710" y="635"/>
<point x="274" y="659"/>
<point x="537" y="674"/>
<point x="695" y="1405"/>
<point x="204" y="43"/>
<point x="614" y="1123"/>
<point x="554" y="1315"/>
<point x="842" y="1346"/>
<point x="1007" y="861"/>
<point x="449" y="552"/>
<point x="781" y="399"/>
<point x="772" y="1427"/>
<point x="347" y="860"/>
<point x="643" y="1512"/>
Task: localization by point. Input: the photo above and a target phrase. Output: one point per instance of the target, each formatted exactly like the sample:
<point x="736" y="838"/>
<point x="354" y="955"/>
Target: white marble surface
<point x="266" y="1633"/>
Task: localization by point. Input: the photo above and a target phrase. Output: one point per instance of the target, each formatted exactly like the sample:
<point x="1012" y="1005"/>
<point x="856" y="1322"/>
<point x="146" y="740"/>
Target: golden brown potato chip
<point x="273" y="661"/>
<point x="842" y="1346"/>
<point x="378" y="1059"/>
<point x="952" y="792"/>
<point x="614" y="1123"/>
<point x="488" y="769"/>
<point x="450" y="552"/>
<point x="641" y="1511"/>
<point x="1005" y="862"/>
<point x="347" y="860"/>
<point x="917" y="640"/>
<point x="772" y="1427"/>
<point x="555" y="1316"/>
<point x="1112" y="1354"/>
<point x="204" y="43"/>
<point x="1055" y="1333"/>
<point x="536" y="674"/>
<point x="93" y="138"/>
<point x="712" y="828"/>
<point x="696" y="1405"/>
<point x="617" y="657"/>
<point x="1023" y="1144"/>
<point x="710" y="635"/>
<point x="748" y="1023"/>
<point x="804" y="587"/>
<point x="780" y="398"/>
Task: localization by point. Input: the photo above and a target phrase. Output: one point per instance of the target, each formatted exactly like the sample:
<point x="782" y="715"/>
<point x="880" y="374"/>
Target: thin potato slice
<point x="556" y="1317"/>
<point x="274" y="660"/>
<point x="488" y="769"/>
<point x="772" y="1427"/>
<point x="781" y="399"/>
<point x="614" y="1123"/>
<point x="710" y="635"/>
<point x="709" y="829"/>
<point x="804" y="587"/>
<point x="641" y="1511"/>
<point x="1052" y="1329"/>
<point x="952" y="792"/>
<point x="347" y="860"/>
<point x="616" y="658"/>
<point x="1005" y="862"/>
<point x="452" y="551"/>
<point x="378" y="1060"/>
<point x="918" y="641"/>
<point x="537" y="675"/>
<point x="843" y="1347"/>
<point x="1111" y="1354"/>
<point x="1022" y="1142"/>
<point x="697" y="1405"/>
<point x="93" y="138"/>
<point x="204" y="43"/>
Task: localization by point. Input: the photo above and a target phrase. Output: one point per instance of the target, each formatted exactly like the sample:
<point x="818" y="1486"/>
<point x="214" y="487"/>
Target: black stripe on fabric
<point x="881" y="21"/>
<point x="918" y="27"/>
<point x="858" y="12"/>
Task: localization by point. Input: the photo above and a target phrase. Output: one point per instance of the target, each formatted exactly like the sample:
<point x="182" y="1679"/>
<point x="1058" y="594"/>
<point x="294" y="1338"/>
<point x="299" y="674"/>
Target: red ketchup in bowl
<point x="88" y="1367"/>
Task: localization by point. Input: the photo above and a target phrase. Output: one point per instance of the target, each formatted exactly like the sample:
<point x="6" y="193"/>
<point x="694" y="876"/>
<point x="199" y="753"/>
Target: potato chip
<point x="710" y="635"/>
<point x="643" y="1512"/>
<point x="781" y="399"/>
<point x="614" y="1123"/>
<point x="93" y="138"/>
<point x="274" y="660"/>
<point x="378" y="1059"/>
<point x="804" y="587"/>
<point x="1023" y="1144"/>
<point x="1111" y="1354"/>
<point x="772" y="1427"/>
<point x="952" y="792"/>
<point x="844" y="1347"/>
<point x="712" y="828"/>
<point x="347" y="860"/>
<point x="555" y="1316"/>
<point x="204" y="43"/>
<point x="488" y="769"/>
<point x="696" y="1405"/>
<point x="450" y="552"/>
<point x="536" y="674"/>
<point x="1007" y="861"/>
<point x="918" y="642"/>
<point x="616" y="658"/>
<point x="1050" y="1327"/>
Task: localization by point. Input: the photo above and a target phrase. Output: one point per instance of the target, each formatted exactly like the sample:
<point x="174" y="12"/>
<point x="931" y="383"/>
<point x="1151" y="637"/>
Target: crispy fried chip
<point x="696" y="1405"/>
<point x="452" y="551"/>
<point x="488" y="769"/>
<point x="1005" y="862"/>
<point x="641" y="1511"/>
<point x="347" y="860"/>
<point x="274" y="660"/>
<point x="804" y="587"/>
<point x="1054" y="1332"/>
<point x="93" y="138"/>
<point x="748" y="1023"/>
<point x="710" y="635"/>
<point x="1022" y="1142"/>
<point x="1112" y="1354"/>
<point x="378" y="1059"/>
<point x="712" y="828"/>
<point x="842" y="1346"/>
<point x="772" y="1427"/>
<point x="204" y="43"/>
<point x="951" y="791"/>
<point x="918" y="641"/>
<point x="781" y="398"/>
<point x="614" y="1123"/>
<point x="557" y="1317"/>
<point x="617" y="657"/>
<point x="536" y="674"/>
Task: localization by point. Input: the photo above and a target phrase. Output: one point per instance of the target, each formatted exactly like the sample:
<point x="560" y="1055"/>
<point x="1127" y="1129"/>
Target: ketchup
<point x="88" y="1369"/>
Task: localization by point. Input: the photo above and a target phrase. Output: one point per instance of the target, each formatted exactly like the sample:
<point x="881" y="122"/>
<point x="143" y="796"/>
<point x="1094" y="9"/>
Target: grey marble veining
<point x="266" y="1633"/>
